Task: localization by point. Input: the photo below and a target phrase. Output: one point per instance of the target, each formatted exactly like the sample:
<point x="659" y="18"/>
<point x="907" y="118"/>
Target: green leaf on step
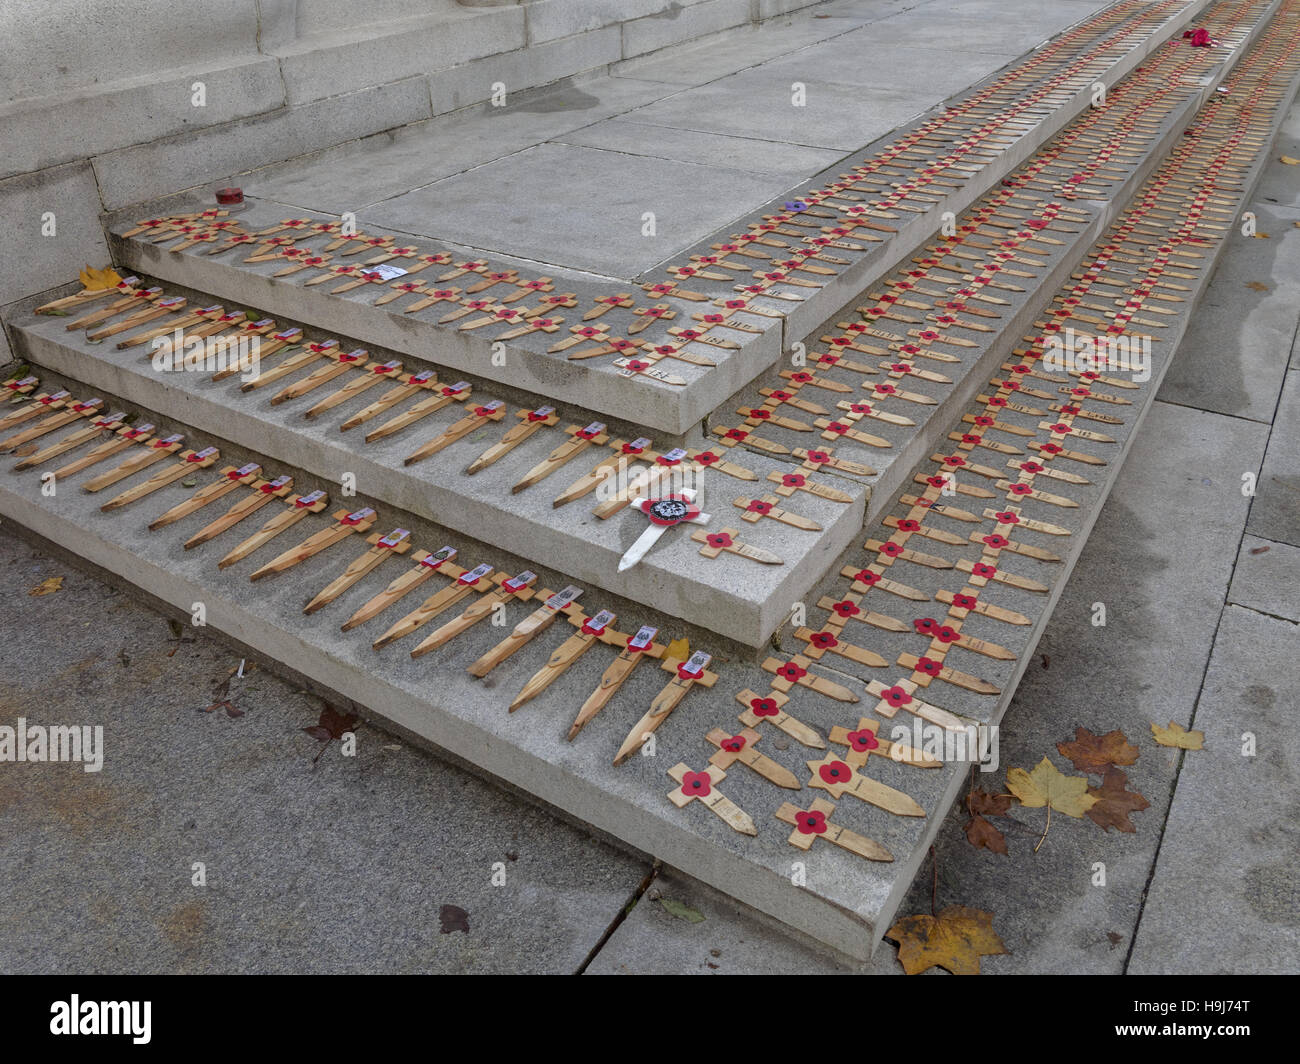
<point x="252" y="315"/>
<point x="57" y="312"/>
<point x="682" y="912"/>
<point x="189" y="482"/>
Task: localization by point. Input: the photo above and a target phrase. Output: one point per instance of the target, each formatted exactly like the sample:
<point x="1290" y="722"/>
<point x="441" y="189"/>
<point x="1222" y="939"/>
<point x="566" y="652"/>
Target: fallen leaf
<point x="981" y="834"/>
<point x="1256" y="286"/>
<point x="453" y="918"/>
<point x="679" y="649"/>
<point x="1177" y="736"/>
<point x="1048" y="786"/>
<point x="981" y="803"/>
<point x="48" y="587"/>
<point x="682" y="912"/>
<point x="1260" y="236"/>
<point x="1093" y="753"/>
<point x="1114" y="938"/>
<point x="97" y="280"/>
<point x="955" y="940"/>
<point x="1259" y="550"/>
<point x="1115" y="802"/>
<point x="189" y="482"/>
<point x="1288" y="160"/>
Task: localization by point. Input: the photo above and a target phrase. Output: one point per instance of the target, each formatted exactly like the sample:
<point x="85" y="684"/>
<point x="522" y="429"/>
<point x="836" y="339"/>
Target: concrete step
<point x="462" y="217"/>
<point x="730" y="596"/>
<point x="844" y="901"/>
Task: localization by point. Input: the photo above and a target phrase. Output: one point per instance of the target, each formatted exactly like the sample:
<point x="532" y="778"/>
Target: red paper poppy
<point x="896" y="696"/>
<point x="794" y="480"/>
<point x="891" y="549"/>
<point x="707" y="458"/>
<point x="823" y="640"/>
<point x="735" y="434"/>
<point x="764" y="707"/>
<point x="846" y="608"/>
<point x="758" y="506"/>
<point x="863" y="740"/>
<point x="1006" y="517"/>
<point x="818" y="457"/>
<point x="834" y="772"/>
<point x="907" y="524"/>
<point x="734" y="744"/>
<point x="1020" y="489"/>
<point x="947" y="634"/>
<point x="810" y="822"/>
<point x="791" y="672"/>
<point x="925" y="625"/>
<point x="995" y="541"/>
<point x="697" y="784"/>
<point x="867" y="576"/>
<point x="929" y="666"/>
<point x="861" y="408"/>
<point x="719" y="540"/>
<point x="985" y="570"/>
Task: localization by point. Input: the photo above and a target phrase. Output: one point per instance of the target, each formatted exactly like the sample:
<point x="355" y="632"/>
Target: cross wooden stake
<point x="838" y="778"/>
<point x="518" y="587"/>
<point x="227" y="481"/>
<point x="66" y="412"/>
<point x="470" y="581"/>
<point x="604" y="304"/>
<point x="554" y="604"/>
<point x="339" y="362"/>
<point x="813" y="823"/>
<point x="769" y="707"/>
<point x="530" y="421"/>
<point x="298" y="507"/>
<point x="123" y="288"/>
<point x="727" y="539"/>
<point x="426" y="564"/>
<point x="109" y="423"/>
<point x="414" y="383"/>
<point x="134" y="299"/>
<point x="795" y="671"/>
<point x="159" y="308"/>
<point x="155" y="450"/>
<point x="579" y="440"/>
<point x="396" y="542"/>
<point x="701" y="786"/>
<point x="626" y="453"/>
<point x="443" y="396"/>
<point x="756" y="509"/>
<point x="789" y="483"/>
<point x="740" y="747"/>
<point x="344" y="525"/>
<point x="368" y="376"/>
<point x="475" y="419"/>
<point x="263" y="491"/>
<point x="658" y="312"/>
<point x="864" y="743"/>
<point x="687" y="674"/>
<point x="635" y="648"/>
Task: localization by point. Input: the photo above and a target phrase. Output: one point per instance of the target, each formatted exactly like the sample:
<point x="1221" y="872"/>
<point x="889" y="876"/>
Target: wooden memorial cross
<point x="825" y="458"/>
<point x="469" y="581"/>
<point x="363" y="276"/>
<point x="530" y="421"/>
<point x="811" y="823"/>
<point x="228" y="479"/>
<point x="527" y="288"/>
<point x="132" y="297"/>
<point x="554" y="604"/>
<point x="201" y="316"/>
<point x="827" y="641"/>
<point x="579" y="440"/>
<point x="297" y="507"/>
<point x="641" y="367"/>
<point x="715" y="320"/>
<point x="337" y="363"/>
<point x="701" y="786"/>
<point x="634" y="649"/>
<point x="369" y="375"/>
<point x="689" y="335"/>
<point x="189" y="461"/>
<point x="771" y="707"/>
<point x="158" y="308"/>
<point x="745" y="305"/>
<point x="109" y="423"/>
<point x="66" y="410"/>
<point x="412" y="385"/>
<point x="626" y="454"/>
<point x="333" y="273"/>
<point x="789" y="483"/>
<point x="262" y="492"/>
<point x="519" y="587"/>
<point x="469" y="306"/>
<point x="580" y="333"/>
<point x="787" y="674"/>
<point x="740" y="748"/>
<point x="532" y="324"/>
<point x="662" y="289"/>
<point x="687" y="674"/>
<point x="838" y="778"/>
<point x="728" y="540"/>
<point x="655" y="352"/>
<point x="426" y="564"/>
<point x="477" y="417"/>
<point x="364" y="243"/>
<point x="865" y="743"/>
<point x="765" y="415"/>
<point x="122" y="289"/>
<point x="401" y="288"/>
<point x="345" y="524"/>
<point x="387" y="254"/>
<point x="462" y="268"/>
<point x="555" y="301"/>
<point x="499" y="315"/>
<point x="430" y="296"/>
<point x="663" y="513"/>
<point x="442" y="395"/>
<point x="604" y="304"/>
<point x="657" y="312"/>
<point x="729" y="437"/>
<point x="396" y="542"/>
<point x="493" y="278"/>
<point x="420" y="263"/>
<point x="271" y="249"/>
<point x="609" y="345"/>
<point x="124" y="438"/>
<point x="801" y="378"/>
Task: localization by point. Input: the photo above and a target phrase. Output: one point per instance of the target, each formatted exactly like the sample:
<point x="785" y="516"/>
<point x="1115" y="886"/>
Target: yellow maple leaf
<point x="1177" y="736"/>
<point x="955" y="940"/>
<point x="1289" y="161"/>
<point x="48" y="587"/>
<point x="679" y="649"/>
<point x="94" y="280"/>
<point x="1047" y="785"/>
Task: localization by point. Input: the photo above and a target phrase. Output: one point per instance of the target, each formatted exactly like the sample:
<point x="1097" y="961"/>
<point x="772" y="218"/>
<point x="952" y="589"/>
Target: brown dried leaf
<point x="1115" y="802"/>
<point x="47" y="587"/>
<point x="981" y="803"/>
<point x="954" y="940"/>
<point x="981" y="834"/>
<point x="1093" y="753"/>
<point x="1257" y="286"/>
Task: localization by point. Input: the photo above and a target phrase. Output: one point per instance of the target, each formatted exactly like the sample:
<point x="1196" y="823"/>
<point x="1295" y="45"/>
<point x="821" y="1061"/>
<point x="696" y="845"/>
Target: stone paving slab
<point x="1275" y="510"/>
<point x="338" y="867"/>
<point x="1267" y="578"/>
<point x="1227" y="859"/>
